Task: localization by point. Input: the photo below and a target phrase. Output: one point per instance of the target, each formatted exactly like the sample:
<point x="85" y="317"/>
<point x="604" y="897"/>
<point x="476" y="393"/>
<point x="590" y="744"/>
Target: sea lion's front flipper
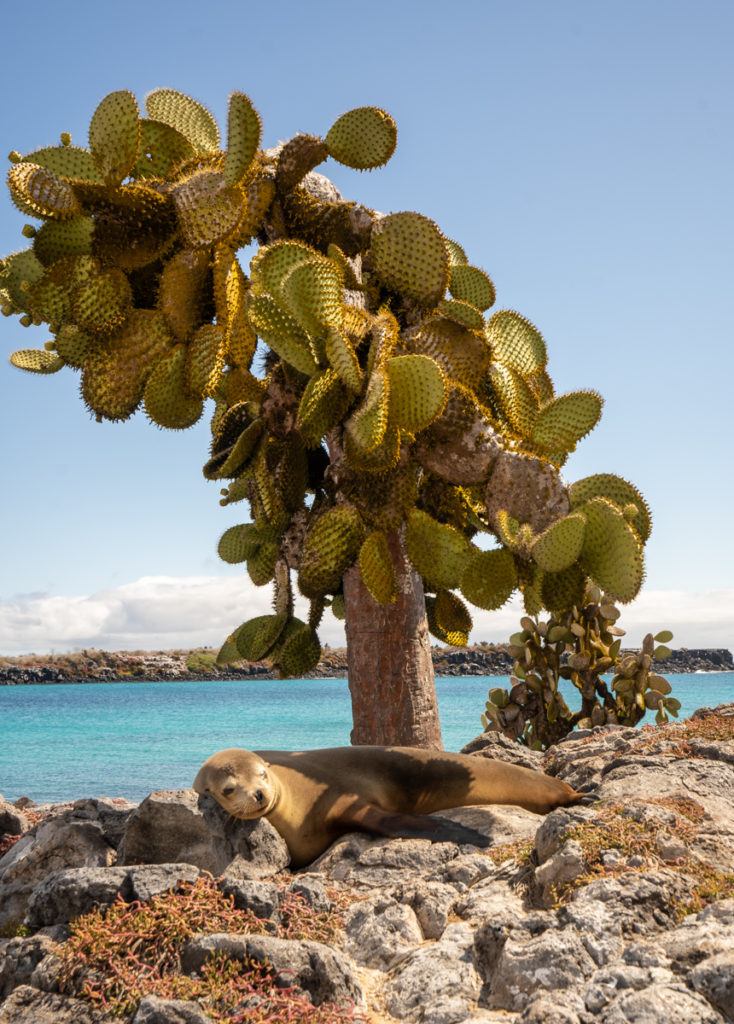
<point x="367" y="817"/>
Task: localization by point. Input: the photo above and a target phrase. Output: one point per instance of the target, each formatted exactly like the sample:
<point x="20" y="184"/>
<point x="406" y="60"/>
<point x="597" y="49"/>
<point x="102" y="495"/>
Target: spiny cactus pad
<point x="489" y="579"/>
<point x="612" y="553"/>
<point x="410" y="257"/>
<point x="354" y="400"/>
<point x="363" y="138"/>
<point x="439" y="552"/>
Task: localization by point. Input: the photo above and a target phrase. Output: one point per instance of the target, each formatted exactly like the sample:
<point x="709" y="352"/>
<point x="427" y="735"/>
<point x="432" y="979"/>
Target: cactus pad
<point x="299" y="652"/>
<point x="36" y="360"/>
<point x="410" y="257"/>
<point x="205" y="361"/>
<point x="208" y="208"/>
<point x="331" y="546"/>
<point x="257" y="637"/>
<point x="162" y="149"/>
<point x="321" y="407"/>
<point x="244" y="130"/>
<point x="168" y="401"/>
<point x="461" y="313"/>
<point x="58" y="238"/>
<point x="565" y="420"/>
<point x="472" y="285"/>
<point x="564" y="589"/>
<point x="40" y="193"/>
<point x="312" y="292"/>
<point x="376" y="568"/>
<point x="239" y="543"/>
<point x="516" y="343"/>
<point x="102" y="303"/>
<point x="514" y="399"/>
<point x="617" y="490"/>
<point x="367" y="426"/>
<point x="560" y="545"/>
<point x="115" y="135"/>
<point x="115" y="371"/>
<point x="612" y="553"/>
<point x="462" y="353"/>
<point x="489" y="579"/>
<point x="439" y="552"/>
<point x="343" y="359"/>
<point x="73" y="345"/>
<point x="66" y="161"/>
<point x="189" y="117"/>
<point x="281" y="332"/>
<point x="449" y="619"/>
<point x="417" y="392"/>
<point x="363" y="138"/>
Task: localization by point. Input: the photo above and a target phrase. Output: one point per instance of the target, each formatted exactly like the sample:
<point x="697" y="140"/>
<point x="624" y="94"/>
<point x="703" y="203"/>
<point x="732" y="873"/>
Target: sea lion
<point x="313" y="796"/>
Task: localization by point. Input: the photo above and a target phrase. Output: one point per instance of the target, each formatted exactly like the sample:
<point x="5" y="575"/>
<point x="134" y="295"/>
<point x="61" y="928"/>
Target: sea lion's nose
<point x="259" y="796"/>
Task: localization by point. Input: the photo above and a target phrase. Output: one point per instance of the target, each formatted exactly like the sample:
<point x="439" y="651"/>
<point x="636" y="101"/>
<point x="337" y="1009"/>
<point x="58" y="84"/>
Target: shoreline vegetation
<point x="199" y="664"/>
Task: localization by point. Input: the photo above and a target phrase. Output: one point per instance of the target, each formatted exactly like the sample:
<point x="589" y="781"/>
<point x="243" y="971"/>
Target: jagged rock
<point x="12" y="820"/>
<point x="64" y="895"/>
<point x="53" y="846"/>
<point x="179" y="825"/>
<point x="700" y="936"/>
<point x="559" y="1008"/>
<point x="494" y="899"/>
<point x="112" y="815"/>
<point x="28" y="1005"/>
<point x="361" y="861"/>
<point x="606" y="985"/>
<point x="381" y="930"/>
<point x="713" y="978"/>
<point x="500" y="748"/>
<point x="312" y="889"/>
<point x="528" y="965"/>
<point x="641" y="901"/>
<point x="325" y="974"/>
<point x="597" y="924"/>
<point x="432" y="903"/>
<point x="563" y="866"/>
<point x="438" y="982"/>
<point x="661" y="1004"/>
<point x="153" y="1010"/>
<point x="19" y="958"/>
<point x="262" y="898"/>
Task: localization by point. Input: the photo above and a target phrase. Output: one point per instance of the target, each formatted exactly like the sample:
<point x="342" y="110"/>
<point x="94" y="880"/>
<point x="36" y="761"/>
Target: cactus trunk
<point x="389" y="659"/>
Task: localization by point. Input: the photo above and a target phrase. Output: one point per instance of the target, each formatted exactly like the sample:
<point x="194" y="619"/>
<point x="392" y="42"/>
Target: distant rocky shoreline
<point x="94" y="666"/>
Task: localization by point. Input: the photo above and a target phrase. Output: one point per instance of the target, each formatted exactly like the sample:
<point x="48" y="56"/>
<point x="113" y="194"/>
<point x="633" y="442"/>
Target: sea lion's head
<point x="239" y="781"/>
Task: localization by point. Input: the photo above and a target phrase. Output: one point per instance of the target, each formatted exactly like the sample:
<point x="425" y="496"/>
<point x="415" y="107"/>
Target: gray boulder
<point x="661" y="1004"/>
<point x="19" y="958"/>
<point x="262" y="898"/>
<point x="29" y="1006"/>
<point x="380" y="931"/>
<point x="529" y="965"/>
<point x="713" y="978"/>
<point x="326" y="975"/>
<point x="12" y="820"/>
<point x="437" y="982"/>
<point x="180" y="826"/>
<point x="55" y="845"/>
<point x="64" y="895"/>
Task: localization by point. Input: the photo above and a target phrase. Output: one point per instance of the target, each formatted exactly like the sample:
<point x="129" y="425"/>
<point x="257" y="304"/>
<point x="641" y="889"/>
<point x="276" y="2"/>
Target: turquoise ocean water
<point x="65" y="741"/>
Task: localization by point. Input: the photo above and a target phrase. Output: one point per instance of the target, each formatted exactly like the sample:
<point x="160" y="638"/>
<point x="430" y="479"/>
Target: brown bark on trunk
<point x="390" y="669"/>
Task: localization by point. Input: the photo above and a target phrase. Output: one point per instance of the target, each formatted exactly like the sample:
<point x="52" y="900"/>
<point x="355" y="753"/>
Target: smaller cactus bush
<point x="583" y="645"/>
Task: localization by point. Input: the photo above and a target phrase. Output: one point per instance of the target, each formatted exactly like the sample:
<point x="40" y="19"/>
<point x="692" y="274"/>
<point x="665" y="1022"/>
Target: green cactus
<point x="582" y="645"/>
<point x="386" y="398"/>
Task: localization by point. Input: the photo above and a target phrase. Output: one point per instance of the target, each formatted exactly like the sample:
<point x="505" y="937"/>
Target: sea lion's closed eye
<point x="228" y="791"/>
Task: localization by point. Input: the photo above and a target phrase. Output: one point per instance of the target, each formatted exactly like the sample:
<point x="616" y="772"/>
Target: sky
<point x="582" y="153"/>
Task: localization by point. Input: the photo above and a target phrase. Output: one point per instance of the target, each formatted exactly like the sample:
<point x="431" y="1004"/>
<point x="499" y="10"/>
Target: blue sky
<point x="582" y="153"/>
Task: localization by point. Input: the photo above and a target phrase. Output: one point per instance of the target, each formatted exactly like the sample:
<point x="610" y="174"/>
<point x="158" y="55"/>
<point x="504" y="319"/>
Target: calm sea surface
<point x="65" y="741"/>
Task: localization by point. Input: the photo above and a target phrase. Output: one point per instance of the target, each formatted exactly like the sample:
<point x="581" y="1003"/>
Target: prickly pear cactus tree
<point x="583" y="645"/>
<point x="366" y="406"/>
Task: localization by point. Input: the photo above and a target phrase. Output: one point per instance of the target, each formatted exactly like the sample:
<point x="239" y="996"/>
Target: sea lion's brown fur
<point x="313" y="796"/>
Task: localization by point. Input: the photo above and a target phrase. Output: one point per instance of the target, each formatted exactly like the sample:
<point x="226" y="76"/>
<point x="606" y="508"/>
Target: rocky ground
<point x="620" y="911"/>
<point x="96" y="666"/>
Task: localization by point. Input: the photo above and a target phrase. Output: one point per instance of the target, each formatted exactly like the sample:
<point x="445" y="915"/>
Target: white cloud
<point x="159" y="612"/>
